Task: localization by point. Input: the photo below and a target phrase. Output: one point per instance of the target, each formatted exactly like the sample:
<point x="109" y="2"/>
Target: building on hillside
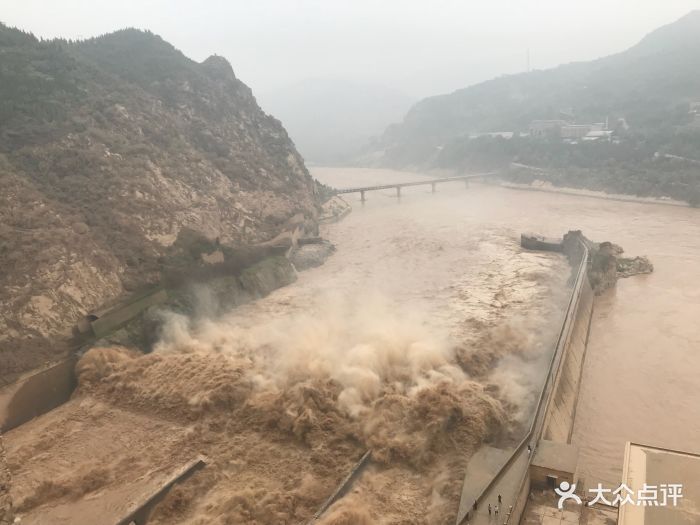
<point x="575" y="131"/>
<point x="546" y="128"/>
<point x="600" y="135"/>
<point x="507" y="135"/>
<point x="572" y="133"/>
<point x="695" y="108"/>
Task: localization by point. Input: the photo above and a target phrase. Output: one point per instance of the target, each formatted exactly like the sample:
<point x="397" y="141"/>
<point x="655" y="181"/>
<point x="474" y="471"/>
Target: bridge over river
<point x="432" y="182"/>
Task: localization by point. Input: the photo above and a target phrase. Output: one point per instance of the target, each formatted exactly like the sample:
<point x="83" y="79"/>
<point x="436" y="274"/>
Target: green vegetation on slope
<point x="651" y="86"/>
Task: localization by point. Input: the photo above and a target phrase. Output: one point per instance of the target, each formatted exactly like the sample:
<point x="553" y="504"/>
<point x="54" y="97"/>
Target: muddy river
<point x="641" y="371"/>
<point x="424" y="335"/>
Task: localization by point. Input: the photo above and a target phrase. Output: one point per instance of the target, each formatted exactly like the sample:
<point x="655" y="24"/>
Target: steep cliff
<point x="109" y="148"/>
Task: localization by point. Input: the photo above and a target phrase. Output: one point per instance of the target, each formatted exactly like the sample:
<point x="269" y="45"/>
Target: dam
<point x="466" y="271"/>
<point x="612" y="403"/>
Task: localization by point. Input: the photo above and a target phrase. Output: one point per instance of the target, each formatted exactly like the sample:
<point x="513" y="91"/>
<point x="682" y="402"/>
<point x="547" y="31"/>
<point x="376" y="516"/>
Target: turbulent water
<point x="642" y="363"/>
<point x="424" y="335"/>
<point x="445" y="269"/>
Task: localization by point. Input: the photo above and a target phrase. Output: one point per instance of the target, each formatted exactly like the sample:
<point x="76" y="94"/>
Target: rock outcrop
<point x="334" y="209"/>
<point x="606" y="263"/>
<point x="109" y="149"/>
<point x="311" y="255"/>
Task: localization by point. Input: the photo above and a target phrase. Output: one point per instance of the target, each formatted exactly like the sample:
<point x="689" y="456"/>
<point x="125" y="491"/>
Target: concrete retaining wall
<point x="520" y="501"/>
<point x="122" y="314"/>
<point x="42" y="390"/>
<point x="36" y="393"/>
<point x="559" y="422"/>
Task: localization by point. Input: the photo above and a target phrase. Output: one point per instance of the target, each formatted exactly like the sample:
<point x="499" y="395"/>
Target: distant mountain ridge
<point x="650" y="85"/>
<point x="109" y="149"/>
<point x="330" y="120"/>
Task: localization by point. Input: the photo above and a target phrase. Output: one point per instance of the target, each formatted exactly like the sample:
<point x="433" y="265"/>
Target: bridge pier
<point x="362" y="196"/>
<point x="466" y="183"/>
<point x="432" y="185"/>
<point x="398" y="192"/>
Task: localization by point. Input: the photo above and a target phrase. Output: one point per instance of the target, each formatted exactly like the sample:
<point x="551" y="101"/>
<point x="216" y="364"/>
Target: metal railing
<point x="537" y="422"/>
<point x="535" y="430"/>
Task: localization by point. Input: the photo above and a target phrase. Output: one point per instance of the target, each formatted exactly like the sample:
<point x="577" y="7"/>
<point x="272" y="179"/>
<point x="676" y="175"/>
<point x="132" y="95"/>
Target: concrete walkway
<point x="489" y="462"/>
<point x="481" y="469"/>
<point x="542" y="510"/>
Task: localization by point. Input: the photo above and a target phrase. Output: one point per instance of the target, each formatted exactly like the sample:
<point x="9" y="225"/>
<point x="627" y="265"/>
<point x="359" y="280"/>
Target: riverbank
<point x="550" y="188"/>
<point x="56" y="325"/>
<point x="370" y="177"/>
<point x="201" y="277"/>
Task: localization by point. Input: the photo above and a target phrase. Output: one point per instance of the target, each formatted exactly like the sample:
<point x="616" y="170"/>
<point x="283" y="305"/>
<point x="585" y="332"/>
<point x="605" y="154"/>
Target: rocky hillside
<point x="6" y="517"/>
<point x="109" y="148"/>
<point x="651" y="86"/>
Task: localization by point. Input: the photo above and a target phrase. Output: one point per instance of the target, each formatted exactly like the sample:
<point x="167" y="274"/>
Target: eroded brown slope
<point x="108" y="149"/>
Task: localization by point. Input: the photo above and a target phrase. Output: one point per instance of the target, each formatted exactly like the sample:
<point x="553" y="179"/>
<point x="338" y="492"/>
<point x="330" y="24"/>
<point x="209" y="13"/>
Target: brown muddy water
<point x="434" y="328"/>
<point x="427" y="332"/>
<point x="642" y="367"/>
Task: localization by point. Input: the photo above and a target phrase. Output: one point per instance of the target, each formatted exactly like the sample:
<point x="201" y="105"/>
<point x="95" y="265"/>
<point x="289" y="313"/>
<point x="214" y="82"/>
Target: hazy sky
<point x="419" y="47"/>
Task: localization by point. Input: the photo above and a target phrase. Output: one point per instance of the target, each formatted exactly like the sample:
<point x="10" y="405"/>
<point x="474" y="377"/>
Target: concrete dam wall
<point x="559" y="422"/>
<point x="554" y="414"/>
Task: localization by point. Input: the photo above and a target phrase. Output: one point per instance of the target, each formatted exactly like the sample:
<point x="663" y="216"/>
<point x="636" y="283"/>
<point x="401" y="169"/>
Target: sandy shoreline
<point x="549" y="188"/>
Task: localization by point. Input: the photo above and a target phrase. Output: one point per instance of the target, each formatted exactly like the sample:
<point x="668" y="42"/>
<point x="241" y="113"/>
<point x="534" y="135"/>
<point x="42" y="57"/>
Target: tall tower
<point x="527" y="62"/>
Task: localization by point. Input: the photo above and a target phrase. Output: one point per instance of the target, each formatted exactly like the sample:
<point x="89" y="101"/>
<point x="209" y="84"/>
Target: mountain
<point x="330" y="119"/>
<point x="110" y="149"/>
<point x="650" y="85"/>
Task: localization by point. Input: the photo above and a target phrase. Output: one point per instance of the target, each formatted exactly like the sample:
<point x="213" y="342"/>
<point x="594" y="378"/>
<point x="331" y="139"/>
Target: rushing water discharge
<point x="642" y="359"/>
<point x="426" y="334"/>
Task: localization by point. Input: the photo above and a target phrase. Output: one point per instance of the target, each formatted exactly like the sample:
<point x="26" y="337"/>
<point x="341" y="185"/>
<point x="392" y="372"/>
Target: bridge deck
<point x="413" y="183"/>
